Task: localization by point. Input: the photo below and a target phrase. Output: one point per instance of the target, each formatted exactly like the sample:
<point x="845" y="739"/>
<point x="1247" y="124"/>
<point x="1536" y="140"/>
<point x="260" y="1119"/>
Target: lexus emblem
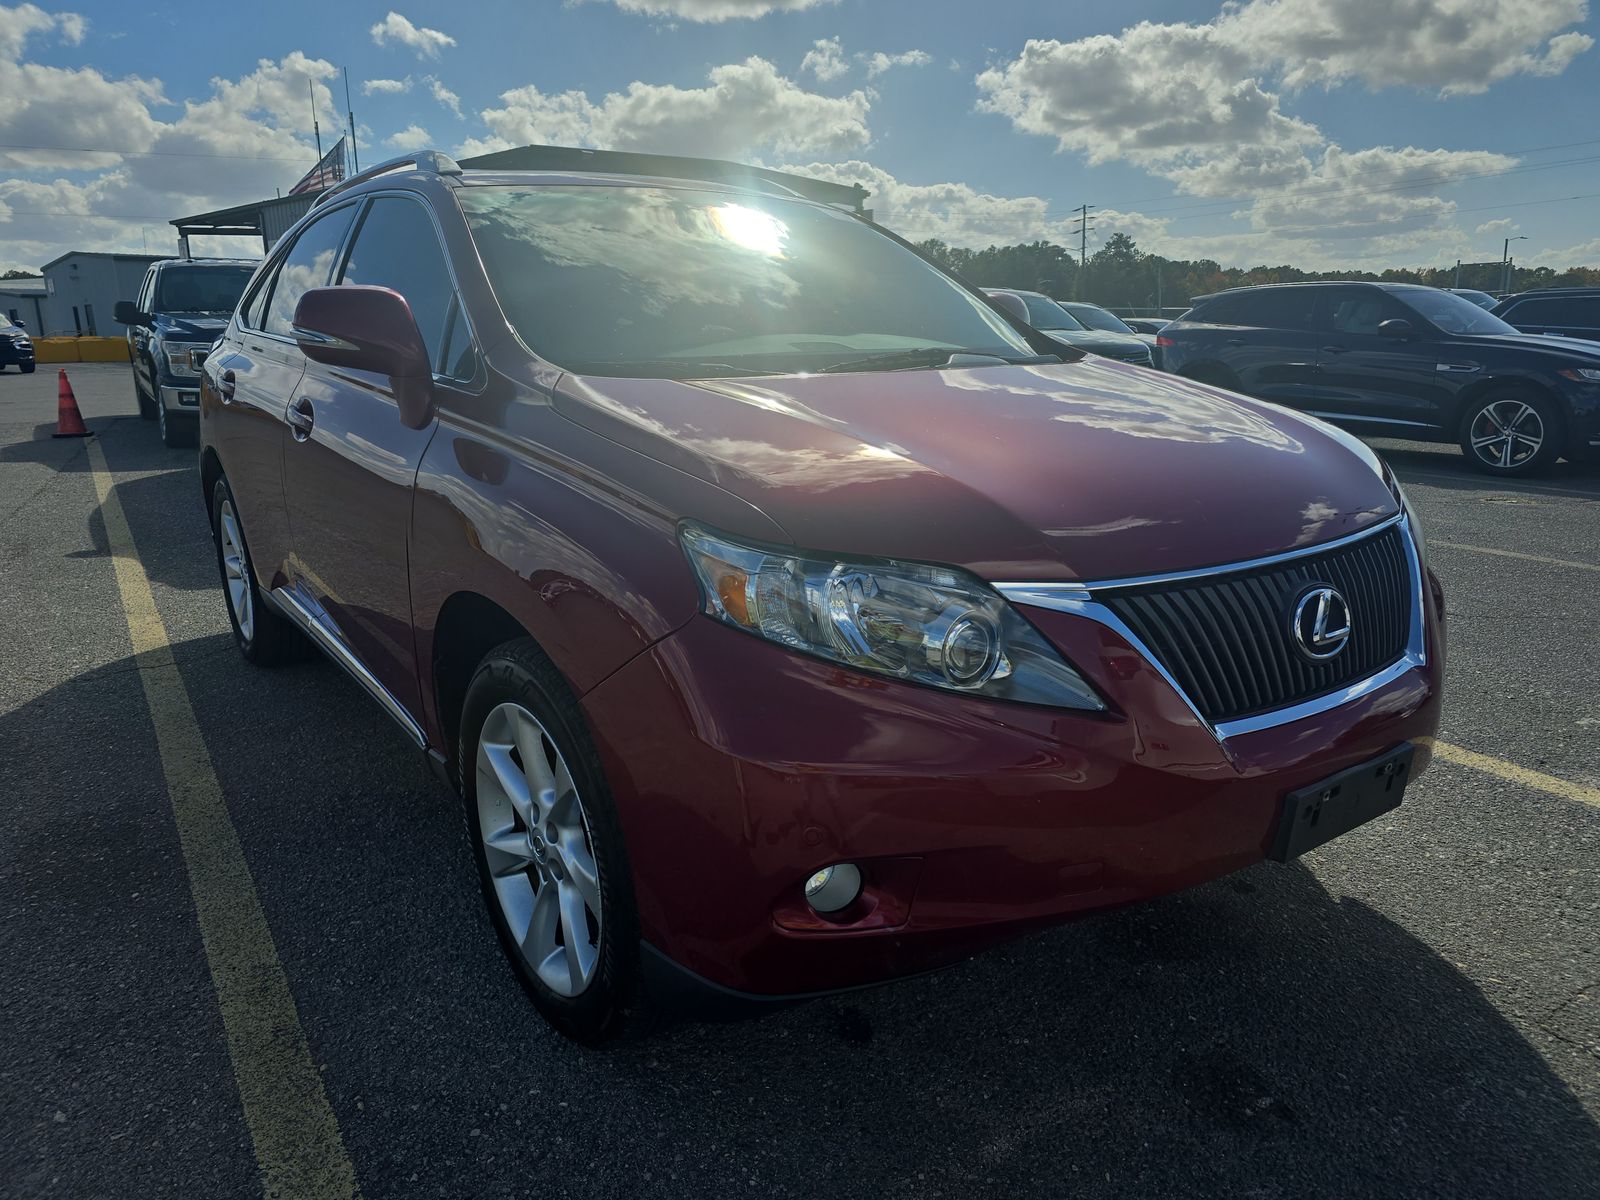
<point x="1321" y="623"/>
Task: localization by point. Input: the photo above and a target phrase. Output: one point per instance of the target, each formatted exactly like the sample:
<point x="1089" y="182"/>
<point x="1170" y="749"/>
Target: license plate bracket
<point x="1322" y="811"/>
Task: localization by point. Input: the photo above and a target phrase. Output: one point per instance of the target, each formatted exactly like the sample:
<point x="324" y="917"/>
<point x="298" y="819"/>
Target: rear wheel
<point x="263" y="637"/>
<point x="549" y="846"/>
<point x="1512" y="433"/>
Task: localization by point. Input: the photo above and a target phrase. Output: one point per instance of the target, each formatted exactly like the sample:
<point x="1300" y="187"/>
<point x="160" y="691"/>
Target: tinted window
<point x="1359" y="311"/>
<point x="200" y="289"/>
<point x="308" y="264"/>
<point x="460" y="357"/>
<point x="396" y="247"/>
<point x="1045" y="313"/>
<point x="656" y="282"/>
<point x="251" y="317"/>
<point x="1092" y="316"/>
<point x="1269" y="308"/>
<point x="1449" y="312"/>
<point x="1556" y="310"/>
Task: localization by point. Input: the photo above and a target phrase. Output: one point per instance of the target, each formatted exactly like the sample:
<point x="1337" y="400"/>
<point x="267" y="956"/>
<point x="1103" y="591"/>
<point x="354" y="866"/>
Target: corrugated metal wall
<point x="278" y="215"/>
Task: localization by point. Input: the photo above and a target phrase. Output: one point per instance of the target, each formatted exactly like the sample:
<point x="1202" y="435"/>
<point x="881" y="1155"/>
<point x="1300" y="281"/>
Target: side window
<point x="1359" y="311"/>
<point x="1556" y="310"/>
<point x="309" y="264"/>
<point x="255" y="308"/>
<point x="460" y="359"/>
<point x="396" y="247"/>
<point x="143" y="302"/>
<point x="1271" y="308"/>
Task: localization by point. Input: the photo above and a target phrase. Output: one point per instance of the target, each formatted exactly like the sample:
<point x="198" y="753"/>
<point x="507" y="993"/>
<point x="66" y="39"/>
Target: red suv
<point x="789" y="618"/>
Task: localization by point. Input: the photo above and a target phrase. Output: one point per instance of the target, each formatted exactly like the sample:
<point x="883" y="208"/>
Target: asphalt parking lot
<point x="1414" y="1010"/>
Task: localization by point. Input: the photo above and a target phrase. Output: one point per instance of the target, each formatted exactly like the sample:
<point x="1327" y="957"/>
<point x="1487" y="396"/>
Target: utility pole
<point x="355" y="158"/>
<point x="1084" y="229"/>
<point x="1505" y="261"/>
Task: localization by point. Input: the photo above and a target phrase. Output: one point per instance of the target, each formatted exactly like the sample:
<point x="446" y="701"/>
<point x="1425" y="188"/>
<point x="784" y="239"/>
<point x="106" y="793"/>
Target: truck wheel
<point x="147" y="405"/>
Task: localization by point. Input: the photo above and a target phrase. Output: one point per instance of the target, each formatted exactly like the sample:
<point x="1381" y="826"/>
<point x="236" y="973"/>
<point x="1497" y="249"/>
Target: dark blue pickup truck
<point x="183" y="306"/>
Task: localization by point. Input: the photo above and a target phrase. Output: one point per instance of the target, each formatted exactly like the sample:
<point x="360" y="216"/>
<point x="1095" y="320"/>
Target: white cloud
<point x="426" y="42"/>
<point x="1503" y="227"/>
<point x="880" y="62"/>
<point x="825" y="59"/>
<point x="715" y="10"/>
<point x="745" y="108"/>
<point x="19" y="24"/>
<point x="72" y="27"/>
<point x="444" y="95"/>
<point x="388" y="87"/>
<point x="1584" y="254"/>
<point x="412" y="137"/>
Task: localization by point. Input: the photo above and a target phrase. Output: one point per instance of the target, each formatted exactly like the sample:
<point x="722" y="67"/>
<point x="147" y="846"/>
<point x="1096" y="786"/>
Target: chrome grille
<point x="1227" y="638"/>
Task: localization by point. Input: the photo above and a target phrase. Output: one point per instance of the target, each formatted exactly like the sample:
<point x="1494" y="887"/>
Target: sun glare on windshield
<point x="751" y="228"/>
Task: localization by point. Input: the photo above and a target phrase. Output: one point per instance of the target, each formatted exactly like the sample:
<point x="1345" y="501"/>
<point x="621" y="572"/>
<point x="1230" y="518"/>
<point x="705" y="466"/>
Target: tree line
<point x="1120" y="275"/>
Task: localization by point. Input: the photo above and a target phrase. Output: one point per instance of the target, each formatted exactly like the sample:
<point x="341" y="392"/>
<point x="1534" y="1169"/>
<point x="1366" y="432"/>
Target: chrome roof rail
<point x="422" y="160"/>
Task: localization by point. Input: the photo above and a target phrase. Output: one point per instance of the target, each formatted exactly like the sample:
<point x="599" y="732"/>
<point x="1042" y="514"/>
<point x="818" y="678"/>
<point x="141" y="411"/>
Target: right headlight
<point x="1412" y="520"/>
<point x="180" y="357"/>
<point x="925" y="624"/>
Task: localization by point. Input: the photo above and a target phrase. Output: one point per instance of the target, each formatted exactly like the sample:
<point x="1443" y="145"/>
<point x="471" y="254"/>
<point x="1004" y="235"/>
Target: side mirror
<point x="1395" y="327"/>
<point x="126" y="312"/>
<point x="1011" y="304"/>
<point x="362" y="328"/>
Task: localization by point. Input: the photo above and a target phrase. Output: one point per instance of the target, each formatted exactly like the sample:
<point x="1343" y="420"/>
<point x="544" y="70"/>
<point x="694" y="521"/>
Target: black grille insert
<point x="1227" y="638"/>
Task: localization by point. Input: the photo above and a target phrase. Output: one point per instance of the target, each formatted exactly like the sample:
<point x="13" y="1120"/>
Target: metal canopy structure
<point x="270" y="219"/>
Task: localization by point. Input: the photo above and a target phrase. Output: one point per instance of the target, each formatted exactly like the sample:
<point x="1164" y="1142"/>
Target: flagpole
<point x="312" y="88"/>
<point x="355" y="157"/>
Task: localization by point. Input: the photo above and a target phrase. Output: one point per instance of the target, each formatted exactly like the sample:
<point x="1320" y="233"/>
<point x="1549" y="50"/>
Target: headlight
<point x="1583" y="374"/>
<point x="1412" y="519"/>
<point x="925" y="624"/>
<point x="181" y="358"/>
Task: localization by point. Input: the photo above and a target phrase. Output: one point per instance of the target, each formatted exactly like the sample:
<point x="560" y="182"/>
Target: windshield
<point x="1094" y="317"/>
<point x="1452" y="313"/>
<point x="200" y="289"/>
<point x="1481" y="299"/>
<point x="1045" y="313"/>
<point x="679" y="283"/>
<point x="5" y="324"/>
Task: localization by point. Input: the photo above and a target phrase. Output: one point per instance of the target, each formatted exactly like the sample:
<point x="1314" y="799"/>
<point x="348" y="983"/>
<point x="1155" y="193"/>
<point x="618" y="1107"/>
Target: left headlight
<point x="926" y="624"/>
<point x="1412" y="520"/>
<point x="181" y="357"/>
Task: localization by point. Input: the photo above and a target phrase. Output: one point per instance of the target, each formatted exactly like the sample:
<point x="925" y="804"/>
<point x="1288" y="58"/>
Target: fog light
<point x="834" y="888"/>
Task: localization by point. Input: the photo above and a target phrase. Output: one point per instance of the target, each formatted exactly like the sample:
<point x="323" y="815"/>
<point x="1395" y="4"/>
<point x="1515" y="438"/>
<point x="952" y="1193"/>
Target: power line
<point x="149" y="153"/>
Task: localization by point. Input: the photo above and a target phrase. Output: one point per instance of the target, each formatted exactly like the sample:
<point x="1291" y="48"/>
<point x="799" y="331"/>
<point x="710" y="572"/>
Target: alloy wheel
<point x="235" y="570"/>
<point x="1507" y="433"/>
<point x="539" y="850"/>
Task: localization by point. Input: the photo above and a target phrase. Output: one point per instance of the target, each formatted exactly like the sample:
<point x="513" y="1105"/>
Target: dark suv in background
<point x="1564" y="312"/>
<point x="182" y="307"/>
<point x="1398" y="360"/>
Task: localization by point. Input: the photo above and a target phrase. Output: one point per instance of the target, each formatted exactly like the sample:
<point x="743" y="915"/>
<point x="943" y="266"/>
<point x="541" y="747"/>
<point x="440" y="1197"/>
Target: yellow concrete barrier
<point x="102" y="349"/>
<point x="55" y="350"/>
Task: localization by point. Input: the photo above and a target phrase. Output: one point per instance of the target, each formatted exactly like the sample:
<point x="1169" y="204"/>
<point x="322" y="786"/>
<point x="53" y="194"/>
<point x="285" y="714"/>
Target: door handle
<point x="301" y="417"/>
<point x="1335" y="349"/>
<point x="225" y="386"/>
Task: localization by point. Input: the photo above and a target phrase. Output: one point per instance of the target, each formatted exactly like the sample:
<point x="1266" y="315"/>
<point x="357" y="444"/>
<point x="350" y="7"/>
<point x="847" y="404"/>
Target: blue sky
<point x="1364" y="132"/>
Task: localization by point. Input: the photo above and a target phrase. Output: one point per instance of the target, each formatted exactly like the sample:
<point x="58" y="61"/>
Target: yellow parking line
<point x="1511" y="773"/>
<point x="1538" y="558"/>
<point x="296" y="1137"/>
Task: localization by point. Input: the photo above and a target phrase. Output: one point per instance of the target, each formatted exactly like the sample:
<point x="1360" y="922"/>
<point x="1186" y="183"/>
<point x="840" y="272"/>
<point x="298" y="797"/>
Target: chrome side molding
<point x="315" y="625"/>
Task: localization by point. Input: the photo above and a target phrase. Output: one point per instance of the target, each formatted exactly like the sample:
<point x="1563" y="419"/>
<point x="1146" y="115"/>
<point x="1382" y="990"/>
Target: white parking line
<point x="1538" y="558"/>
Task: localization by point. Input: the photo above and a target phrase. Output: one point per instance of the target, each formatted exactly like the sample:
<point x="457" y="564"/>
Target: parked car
<point x="1481" y="299"/>
<point x="182" y="307"/>
<point x="1149" y="326"/>
<point x="1050" y="317"/>
<point x="1563" y="312"/>
<point x="1092" y="316"/>
<point x="15" y="346"/>
<point x="788" y="619"/>
<point x="1399" y="360"/>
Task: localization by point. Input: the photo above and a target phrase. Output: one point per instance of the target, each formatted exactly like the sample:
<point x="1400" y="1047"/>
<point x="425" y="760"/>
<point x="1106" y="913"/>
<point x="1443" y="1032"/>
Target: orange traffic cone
<point x="69" y="421"/>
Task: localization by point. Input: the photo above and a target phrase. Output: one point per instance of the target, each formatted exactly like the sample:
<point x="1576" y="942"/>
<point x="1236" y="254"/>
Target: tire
<point x="27" y="368"/>
<point x="584" y="979"/>
<point x="147" y="404"/>
<point x="176" y="432"/>
<point x="263" y="637"/>
<point x="1537" y="433"/>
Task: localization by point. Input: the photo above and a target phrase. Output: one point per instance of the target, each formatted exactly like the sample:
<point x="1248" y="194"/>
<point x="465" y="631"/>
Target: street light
<point x="1505" y="261"/>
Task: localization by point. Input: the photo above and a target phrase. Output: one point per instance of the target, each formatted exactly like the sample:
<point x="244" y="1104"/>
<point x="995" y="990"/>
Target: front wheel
<point x="548" y="845"/>
<point x="27" y="368"/>
<point x="176" y="432"/>
<point x="1511" y="433"/>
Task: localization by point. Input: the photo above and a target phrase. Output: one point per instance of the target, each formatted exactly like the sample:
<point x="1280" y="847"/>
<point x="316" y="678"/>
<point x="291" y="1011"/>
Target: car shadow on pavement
<point x="1442" y="462"/>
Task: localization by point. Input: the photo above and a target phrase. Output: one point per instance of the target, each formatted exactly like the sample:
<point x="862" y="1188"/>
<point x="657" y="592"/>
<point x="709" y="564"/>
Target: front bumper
<point x="11" y="354"/>
<point x="183" y="397"/>
<point x="739" y="768"/>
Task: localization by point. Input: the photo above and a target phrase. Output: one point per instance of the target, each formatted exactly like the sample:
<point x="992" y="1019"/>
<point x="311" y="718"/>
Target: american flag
<point x="328" y="171"/>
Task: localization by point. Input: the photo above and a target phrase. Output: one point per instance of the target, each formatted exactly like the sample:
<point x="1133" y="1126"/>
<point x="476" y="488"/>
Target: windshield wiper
<point x="682" y="368"/>
<point x="930" y="356"/>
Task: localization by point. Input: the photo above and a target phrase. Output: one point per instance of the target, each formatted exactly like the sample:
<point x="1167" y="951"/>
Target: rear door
<point x="1267" y="342"/>
<point x="262" y="365"/>
<point x="1374" y="380"/>
<point x="349" y="480"/>
<point x="1562" y="316"/>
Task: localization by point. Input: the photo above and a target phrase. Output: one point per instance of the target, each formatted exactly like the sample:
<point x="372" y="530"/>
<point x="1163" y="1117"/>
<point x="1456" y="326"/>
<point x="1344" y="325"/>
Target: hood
<point x="1088" y="470"/>
<point x="1553" y="345"/>
<point x="1097" y="341"/>
<point x="196" y="327"/>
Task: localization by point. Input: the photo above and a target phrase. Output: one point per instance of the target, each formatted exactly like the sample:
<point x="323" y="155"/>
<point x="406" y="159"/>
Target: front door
<point x="1389" y="384"/>
<point x="350" y="466"/>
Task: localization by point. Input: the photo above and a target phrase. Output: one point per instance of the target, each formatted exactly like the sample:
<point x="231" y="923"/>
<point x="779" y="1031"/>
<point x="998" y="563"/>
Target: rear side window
<point x="1269" y="308"/>
<point x="1359" y="311"/>
<point x="309" y="263"/>
<point x="396" y="247"/>
<point x="1556" y="310"/>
